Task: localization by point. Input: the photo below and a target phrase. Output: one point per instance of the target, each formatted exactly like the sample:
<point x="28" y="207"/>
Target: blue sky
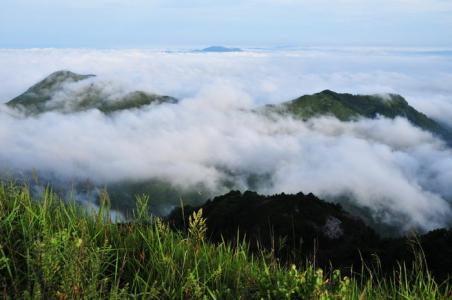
<point x="183" y="23"/>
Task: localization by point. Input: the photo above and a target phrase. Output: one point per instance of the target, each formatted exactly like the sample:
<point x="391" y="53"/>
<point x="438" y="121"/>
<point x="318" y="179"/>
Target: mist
<point x="399" y="172"/>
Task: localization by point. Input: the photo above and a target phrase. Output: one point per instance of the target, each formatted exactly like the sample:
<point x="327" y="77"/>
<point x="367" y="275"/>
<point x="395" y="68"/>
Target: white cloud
<point x="389" y="166"/>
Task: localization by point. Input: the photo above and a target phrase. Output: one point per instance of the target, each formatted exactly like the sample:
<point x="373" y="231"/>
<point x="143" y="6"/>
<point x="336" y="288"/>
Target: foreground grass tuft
<point x="50" y="249"/>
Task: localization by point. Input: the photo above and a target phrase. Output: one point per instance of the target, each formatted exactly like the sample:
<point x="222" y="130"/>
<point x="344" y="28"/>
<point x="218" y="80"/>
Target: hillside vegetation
<point x="303" y="227"/>
<point x="40" y="97"/>
<point x="348" y="107"/>
<point x="53" y="250"/>
<point x="53" y="93"/>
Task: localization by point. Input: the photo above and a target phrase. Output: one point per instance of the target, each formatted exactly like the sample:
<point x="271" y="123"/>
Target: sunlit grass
<point x="54" y="249"/>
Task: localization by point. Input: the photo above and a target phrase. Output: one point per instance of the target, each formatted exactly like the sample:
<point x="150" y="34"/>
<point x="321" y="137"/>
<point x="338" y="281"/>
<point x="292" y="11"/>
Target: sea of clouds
<point x="400" y="173"/>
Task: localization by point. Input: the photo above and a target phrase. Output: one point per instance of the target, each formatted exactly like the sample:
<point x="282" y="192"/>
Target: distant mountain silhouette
<point x="219" y="49"/>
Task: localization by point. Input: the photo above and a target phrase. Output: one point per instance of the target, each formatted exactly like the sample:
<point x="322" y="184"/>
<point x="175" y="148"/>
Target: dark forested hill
<point x="299" y="227"/>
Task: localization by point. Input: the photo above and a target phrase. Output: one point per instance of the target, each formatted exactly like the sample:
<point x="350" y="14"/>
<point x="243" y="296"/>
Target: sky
<point x="247" y="23"/>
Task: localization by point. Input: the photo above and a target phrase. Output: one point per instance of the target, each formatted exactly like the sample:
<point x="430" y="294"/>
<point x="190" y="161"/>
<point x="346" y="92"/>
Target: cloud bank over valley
<point x="214" y="134"/>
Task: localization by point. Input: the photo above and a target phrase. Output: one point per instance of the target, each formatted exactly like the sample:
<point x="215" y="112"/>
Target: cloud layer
<point x="399" y="172"/>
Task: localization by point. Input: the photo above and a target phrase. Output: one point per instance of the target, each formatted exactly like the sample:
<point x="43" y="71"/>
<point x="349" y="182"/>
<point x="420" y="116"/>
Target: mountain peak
<point x="37" y="99"/>
<point x="66" y="74"/>
<point x="348" y="107"/>
<point x="57" y="79"/>
<point x="42" y="91"/>
<point x="328" y="92"/>
<point x="219" y="49"/>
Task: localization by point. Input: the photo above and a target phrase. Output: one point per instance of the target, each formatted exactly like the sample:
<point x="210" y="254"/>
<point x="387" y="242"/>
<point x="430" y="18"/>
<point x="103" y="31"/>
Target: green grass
<point x="50" y="249"/>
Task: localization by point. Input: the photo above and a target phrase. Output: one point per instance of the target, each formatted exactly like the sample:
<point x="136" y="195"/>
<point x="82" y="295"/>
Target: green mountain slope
<point x="58" y="93"/>
<point x="348" y="107"/>
<point x="34" y="99"/>
<point x="39" y="98"/>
